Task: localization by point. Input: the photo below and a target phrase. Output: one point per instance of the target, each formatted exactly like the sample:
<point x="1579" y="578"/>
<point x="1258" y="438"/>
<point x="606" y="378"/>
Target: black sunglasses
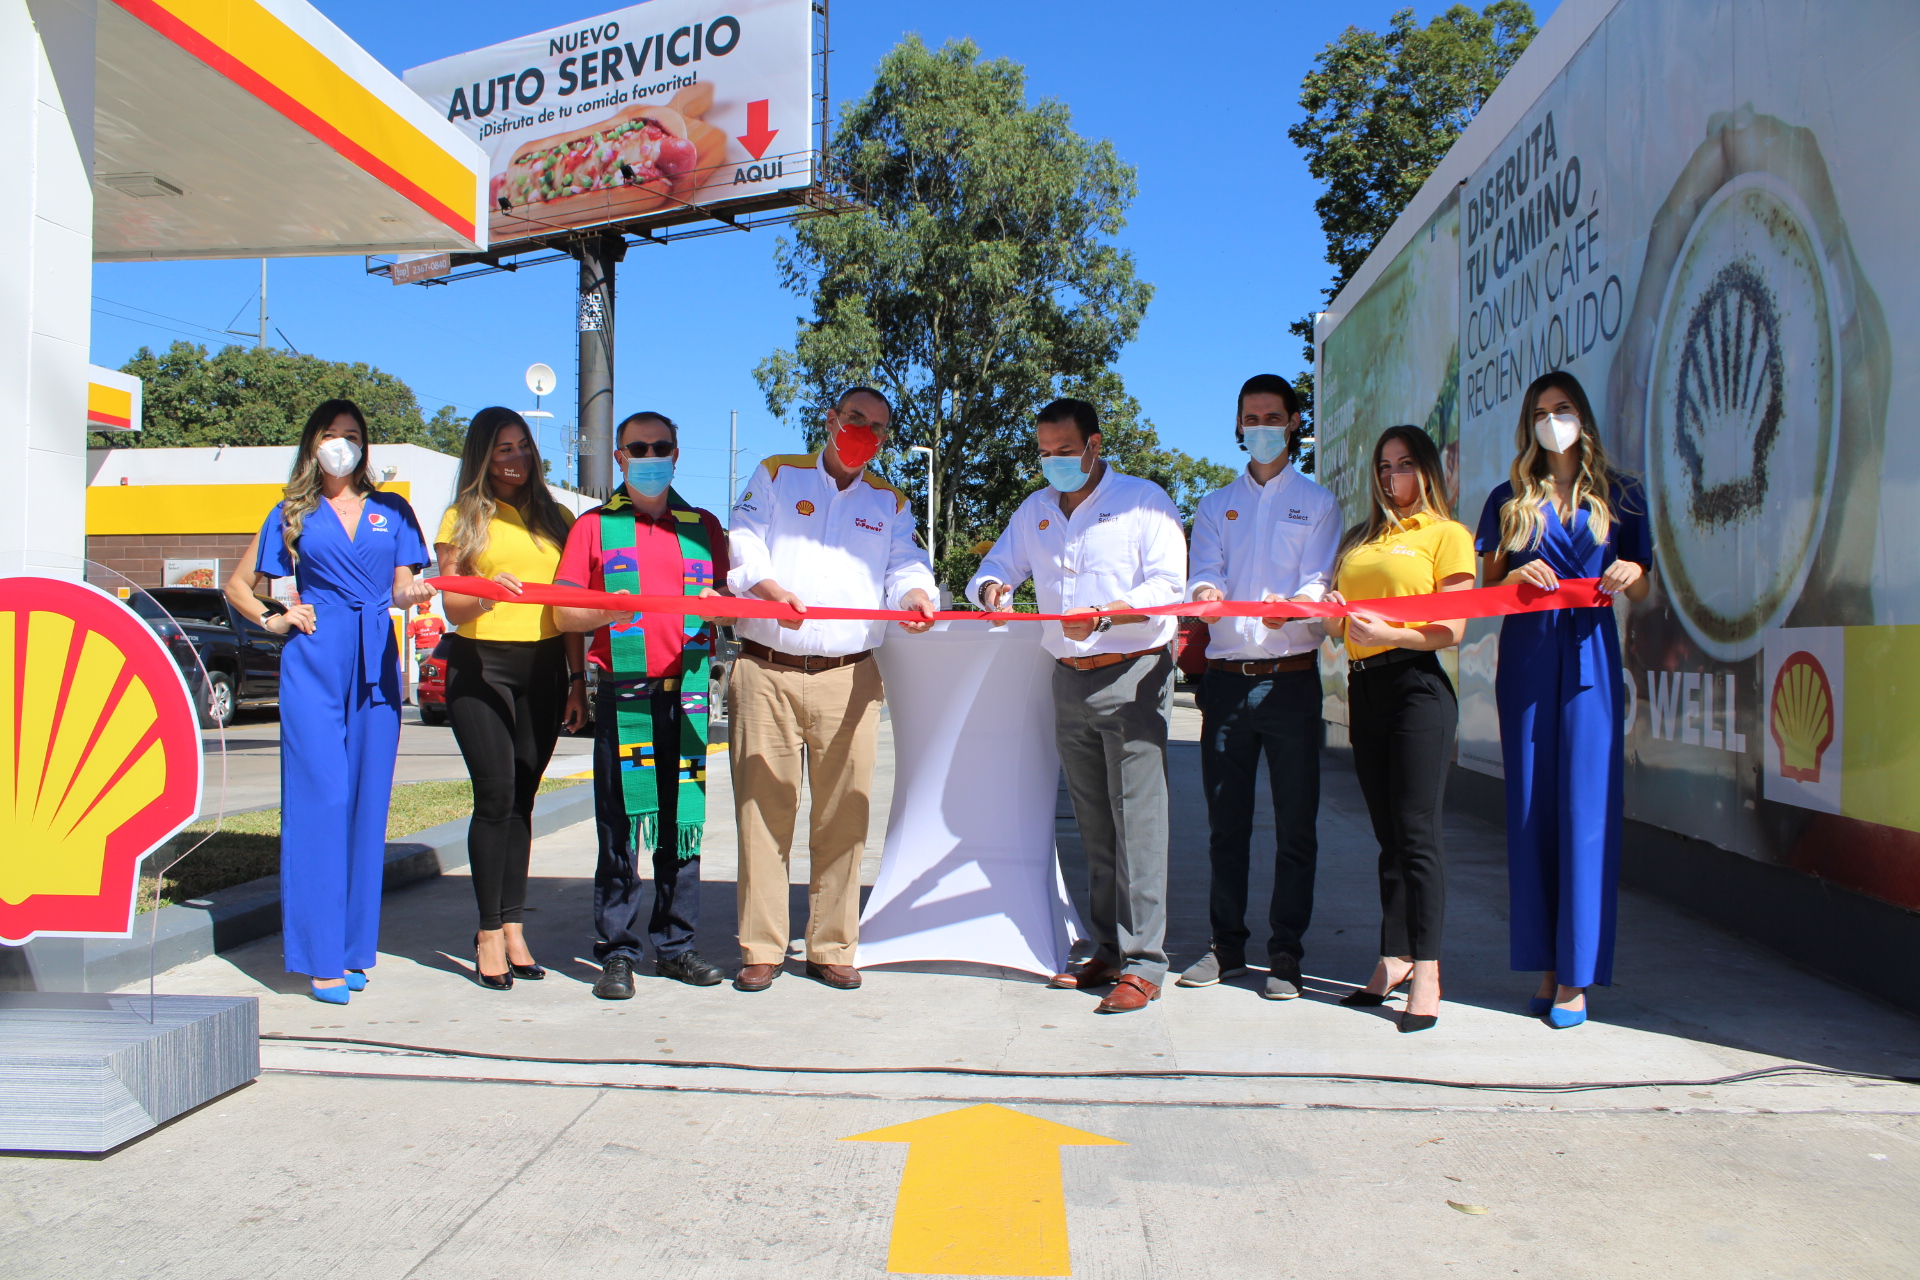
<point x="640" y="448"/>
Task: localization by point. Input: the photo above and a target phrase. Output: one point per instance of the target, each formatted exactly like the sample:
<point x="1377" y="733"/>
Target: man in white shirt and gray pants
<point x="1270" y="535"/>
<point x="1095" y="540"/>
<point x="814" y="529"/>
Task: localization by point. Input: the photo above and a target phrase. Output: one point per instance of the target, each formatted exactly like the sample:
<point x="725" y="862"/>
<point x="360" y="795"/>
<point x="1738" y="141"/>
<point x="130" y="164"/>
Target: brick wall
<point x="142" y="558"/>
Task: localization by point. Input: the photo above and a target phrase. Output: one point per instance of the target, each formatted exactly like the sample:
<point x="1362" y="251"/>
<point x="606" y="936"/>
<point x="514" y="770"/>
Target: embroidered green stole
<point x="653" y="729"/>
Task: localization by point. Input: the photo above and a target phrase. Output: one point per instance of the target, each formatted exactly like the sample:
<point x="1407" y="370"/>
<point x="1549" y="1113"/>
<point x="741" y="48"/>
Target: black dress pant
<point x="506" y="699"/>
<point x="1402" y="718"/>
<point x="1241" y="717"/>
<point x="672" y="911"/>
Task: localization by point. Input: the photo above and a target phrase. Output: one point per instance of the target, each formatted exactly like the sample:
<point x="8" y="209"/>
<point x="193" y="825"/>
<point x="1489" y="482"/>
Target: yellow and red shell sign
<point x="1802" y="719"/>
<point x="99" y="758"/>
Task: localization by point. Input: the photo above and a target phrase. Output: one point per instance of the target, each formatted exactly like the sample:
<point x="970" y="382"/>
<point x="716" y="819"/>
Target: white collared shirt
<point x="849" y="548"/>
<point x="1123" y="542"/>
<point x="1251" y="540"/>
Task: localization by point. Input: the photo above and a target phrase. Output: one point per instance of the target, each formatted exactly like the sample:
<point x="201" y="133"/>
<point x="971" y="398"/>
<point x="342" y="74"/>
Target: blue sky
<point x="1197" y="99"/>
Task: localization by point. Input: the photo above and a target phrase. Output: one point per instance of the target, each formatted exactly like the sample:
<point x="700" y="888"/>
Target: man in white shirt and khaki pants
<point x="1095" y="540"/>
<point x="1270" y="535"/>
<point x="814" y="529"/>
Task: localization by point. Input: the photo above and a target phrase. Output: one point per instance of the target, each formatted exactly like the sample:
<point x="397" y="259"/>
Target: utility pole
<point x="733" y="454"/>
<point x="597" y="261"/>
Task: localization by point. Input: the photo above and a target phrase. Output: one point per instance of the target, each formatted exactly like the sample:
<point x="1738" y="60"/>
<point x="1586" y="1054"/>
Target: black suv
<point x="242" y="661"/>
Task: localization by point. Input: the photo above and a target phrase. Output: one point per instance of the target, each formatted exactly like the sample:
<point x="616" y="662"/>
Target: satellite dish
<point x="540" y="379"/>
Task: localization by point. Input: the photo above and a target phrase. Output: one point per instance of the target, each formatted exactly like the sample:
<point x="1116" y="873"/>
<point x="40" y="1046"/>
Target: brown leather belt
<point x="1266" y="666"/>
<point x="807" y="662"/>
<point x="1095" y="661"/>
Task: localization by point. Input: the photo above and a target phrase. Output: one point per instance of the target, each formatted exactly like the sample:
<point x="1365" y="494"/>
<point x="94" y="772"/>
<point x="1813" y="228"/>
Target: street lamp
<point x="932" y="554"/>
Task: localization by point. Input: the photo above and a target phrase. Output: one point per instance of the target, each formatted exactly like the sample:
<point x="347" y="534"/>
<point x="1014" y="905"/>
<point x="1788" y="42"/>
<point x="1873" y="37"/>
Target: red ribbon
<point x="1481" y="602"/>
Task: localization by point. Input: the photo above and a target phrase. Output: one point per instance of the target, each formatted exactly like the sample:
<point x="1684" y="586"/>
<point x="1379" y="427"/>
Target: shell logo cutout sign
<point x="99" y="758"/>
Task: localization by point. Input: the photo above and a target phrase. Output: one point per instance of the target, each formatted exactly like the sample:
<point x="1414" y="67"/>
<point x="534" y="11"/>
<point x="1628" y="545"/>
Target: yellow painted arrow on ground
<point x="981" y="1195"/>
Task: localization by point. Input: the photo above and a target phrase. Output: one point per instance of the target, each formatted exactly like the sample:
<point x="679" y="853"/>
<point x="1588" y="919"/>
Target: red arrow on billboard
<point x="758" y="137"/>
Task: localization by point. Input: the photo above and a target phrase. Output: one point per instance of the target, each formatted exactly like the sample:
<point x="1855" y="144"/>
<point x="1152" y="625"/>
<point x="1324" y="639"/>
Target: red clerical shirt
<point x="656" y="545"/>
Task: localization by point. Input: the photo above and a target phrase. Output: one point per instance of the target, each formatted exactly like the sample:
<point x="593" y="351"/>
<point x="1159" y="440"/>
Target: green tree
<point x="1382" y="110"/>
<point x="979" y="282"/>
<point x="251" y="396"/>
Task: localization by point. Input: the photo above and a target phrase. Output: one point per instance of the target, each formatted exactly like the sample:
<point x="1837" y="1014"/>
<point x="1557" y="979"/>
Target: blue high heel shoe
<point x="356" y="979"/>
<point x="1561" y="1019"/>
<point x="1537" y="1006"/>
<point x="329" y="995"/>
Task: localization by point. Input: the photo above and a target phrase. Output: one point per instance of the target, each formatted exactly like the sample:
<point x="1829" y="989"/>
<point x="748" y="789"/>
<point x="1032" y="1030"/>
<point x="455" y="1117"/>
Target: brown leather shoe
<point x="843" y="976"/>
<point x="1088" y="973"/>
<point x="1132" y="992"/>
<point x="755" y="977"/>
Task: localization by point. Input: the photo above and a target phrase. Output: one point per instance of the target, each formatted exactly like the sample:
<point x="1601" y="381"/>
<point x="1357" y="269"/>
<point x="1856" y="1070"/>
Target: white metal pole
<point x="932" y="554"/>
<point x="733" y="456"/>
<point x="260" y="338"/>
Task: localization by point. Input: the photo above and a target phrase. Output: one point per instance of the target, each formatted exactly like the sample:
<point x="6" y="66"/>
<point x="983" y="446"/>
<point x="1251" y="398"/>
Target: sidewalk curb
<point x="236" y="916"/>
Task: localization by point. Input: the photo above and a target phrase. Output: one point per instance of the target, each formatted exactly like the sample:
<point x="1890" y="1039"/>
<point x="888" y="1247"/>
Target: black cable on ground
<point x="1742" y="1077"/>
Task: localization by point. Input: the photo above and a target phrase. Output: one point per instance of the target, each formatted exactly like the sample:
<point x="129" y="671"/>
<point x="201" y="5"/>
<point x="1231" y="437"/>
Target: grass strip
<point x="247" y="845"/>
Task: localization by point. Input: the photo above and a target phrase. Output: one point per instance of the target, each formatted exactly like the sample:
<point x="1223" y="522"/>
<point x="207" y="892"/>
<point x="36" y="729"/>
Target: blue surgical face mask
<point x="1064" y="474"/>
<point x="650" y="476"/>
<point x="1265" y="443"/>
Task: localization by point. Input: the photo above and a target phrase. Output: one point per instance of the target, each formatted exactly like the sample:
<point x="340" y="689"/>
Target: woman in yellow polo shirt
<point x="1401" y="711"/>
<point x="512" y="677"/>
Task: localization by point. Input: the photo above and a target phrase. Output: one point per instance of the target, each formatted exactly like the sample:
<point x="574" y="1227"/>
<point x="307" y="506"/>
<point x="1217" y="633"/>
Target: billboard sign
<point x="1711" y="240"/>
<point x="643" y="112"/>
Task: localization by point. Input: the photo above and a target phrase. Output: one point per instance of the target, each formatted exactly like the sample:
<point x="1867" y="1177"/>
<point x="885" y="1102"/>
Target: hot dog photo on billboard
<point x="671" y="104"/>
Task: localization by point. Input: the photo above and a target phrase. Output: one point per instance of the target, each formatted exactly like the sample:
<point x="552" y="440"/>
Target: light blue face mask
<point x="1064" y="474"/>
<point x="650" y="476"/>
<point x="1265" y="443"/>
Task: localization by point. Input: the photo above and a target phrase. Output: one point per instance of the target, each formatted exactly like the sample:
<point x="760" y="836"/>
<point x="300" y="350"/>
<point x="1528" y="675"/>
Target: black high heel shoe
<point x="530" y="972"/>
<point x="492" y="981"/>
<point x="1365" y="999"/>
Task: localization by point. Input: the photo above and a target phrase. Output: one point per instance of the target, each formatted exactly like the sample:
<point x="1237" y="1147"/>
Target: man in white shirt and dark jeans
<point x="1270" y="535"/>
<point x="1095" y="540"/>
<point x="814" y="529"/>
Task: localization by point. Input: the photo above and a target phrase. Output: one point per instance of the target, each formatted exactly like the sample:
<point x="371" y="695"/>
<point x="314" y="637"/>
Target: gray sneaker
<point x="1209" y="969"/>
<point x="1283" y="979"/>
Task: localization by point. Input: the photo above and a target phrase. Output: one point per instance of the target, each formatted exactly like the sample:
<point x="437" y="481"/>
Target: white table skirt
<point x="969" y="871"/>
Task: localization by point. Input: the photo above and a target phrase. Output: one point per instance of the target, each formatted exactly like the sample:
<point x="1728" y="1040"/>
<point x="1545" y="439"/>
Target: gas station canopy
<point x="256" y="128"/>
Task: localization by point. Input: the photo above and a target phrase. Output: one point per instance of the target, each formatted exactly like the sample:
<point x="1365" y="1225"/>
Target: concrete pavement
<point x="362" y="1162"/>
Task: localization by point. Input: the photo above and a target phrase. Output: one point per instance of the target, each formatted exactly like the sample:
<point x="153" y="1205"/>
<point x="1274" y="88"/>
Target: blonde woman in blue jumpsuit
<point x="353" y="552"/>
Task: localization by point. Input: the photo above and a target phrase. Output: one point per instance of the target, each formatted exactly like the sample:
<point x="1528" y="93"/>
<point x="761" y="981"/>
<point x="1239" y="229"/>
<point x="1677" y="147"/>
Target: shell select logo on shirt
<point x="1233" y="515"/>
<point x="99" y="758"/>
<point x="804" y="507"/>
<point x="1802" y="716"/>
<point x="1045" y="523"/>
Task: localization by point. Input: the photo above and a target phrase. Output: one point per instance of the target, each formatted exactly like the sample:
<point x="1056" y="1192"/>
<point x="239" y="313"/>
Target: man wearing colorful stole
<point x="650" y="718"/>
<point x="815" y="529"/>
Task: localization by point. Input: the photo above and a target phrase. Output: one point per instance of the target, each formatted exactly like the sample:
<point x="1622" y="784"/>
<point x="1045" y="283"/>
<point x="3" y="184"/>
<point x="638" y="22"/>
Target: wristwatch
<point x="1105" y="624"/>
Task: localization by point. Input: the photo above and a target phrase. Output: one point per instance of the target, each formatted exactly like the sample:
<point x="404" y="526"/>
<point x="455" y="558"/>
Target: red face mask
<point x="856" y="445"/>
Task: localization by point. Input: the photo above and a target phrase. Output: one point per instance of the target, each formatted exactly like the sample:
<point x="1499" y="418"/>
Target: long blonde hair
<point x="1522" y="524"/>
<point x="1382" y="514"/>
<point x="475" y="504"/>
<point x="301" y="497"/>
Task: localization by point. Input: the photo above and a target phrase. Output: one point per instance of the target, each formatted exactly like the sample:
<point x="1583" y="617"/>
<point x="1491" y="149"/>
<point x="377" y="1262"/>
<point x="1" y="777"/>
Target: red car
<point x="432" y="691"/>
<point x="1190" y="648"/>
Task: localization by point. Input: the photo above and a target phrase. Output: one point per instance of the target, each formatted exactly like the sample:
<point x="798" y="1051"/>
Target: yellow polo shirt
<point x="510" y="548"/>
<point x="1409" y="561"/>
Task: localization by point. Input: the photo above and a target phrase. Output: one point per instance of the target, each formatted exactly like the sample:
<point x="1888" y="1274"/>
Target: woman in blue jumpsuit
<point x="352" y="551"/>
<point x="1559" y="691"/>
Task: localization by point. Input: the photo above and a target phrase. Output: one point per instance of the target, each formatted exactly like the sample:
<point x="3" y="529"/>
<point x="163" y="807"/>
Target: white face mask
<point x="1265" y="443"/>
<point x="1557" y="432"/>
<point x="338" y="456"/>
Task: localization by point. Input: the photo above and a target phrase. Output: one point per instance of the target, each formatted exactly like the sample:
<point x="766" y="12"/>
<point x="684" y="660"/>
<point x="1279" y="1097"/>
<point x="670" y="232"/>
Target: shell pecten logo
<point x="99" y="758"/>
<point x="1800" y="716"/>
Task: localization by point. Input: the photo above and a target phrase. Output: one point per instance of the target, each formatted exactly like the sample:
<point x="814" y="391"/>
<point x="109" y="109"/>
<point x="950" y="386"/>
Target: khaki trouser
<point x="834" y="718"/>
